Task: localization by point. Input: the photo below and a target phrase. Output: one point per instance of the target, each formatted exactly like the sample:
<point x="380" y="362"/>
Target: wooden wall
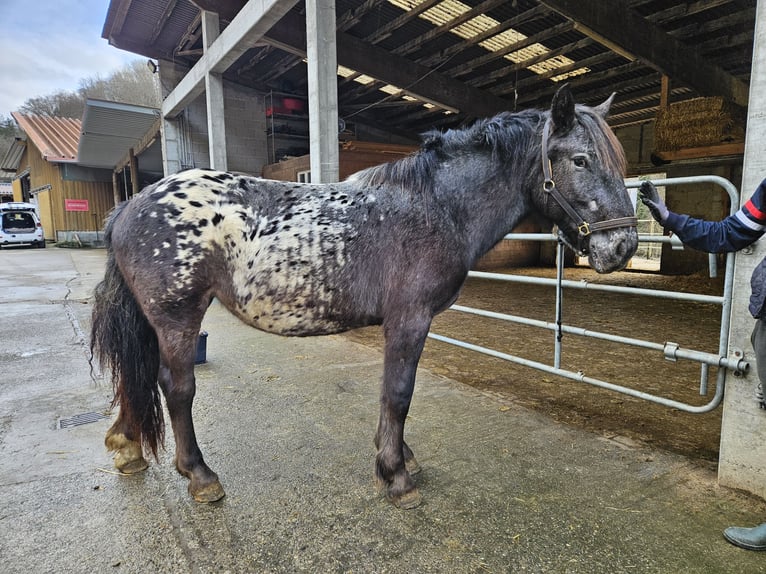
<point x="353" y="156"/>
<point x="54" y="216"/>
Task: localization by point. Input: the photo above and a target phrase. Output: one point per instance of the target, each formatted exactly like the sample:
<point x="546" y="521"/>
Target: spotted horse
<point x="389" y="246"/>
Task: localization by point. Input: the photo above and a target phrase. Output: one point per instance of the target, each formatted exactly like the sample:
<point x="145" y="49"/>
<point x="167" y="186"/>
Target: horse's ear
<point x="563" y="109"/>
<point x="603" y="109"/>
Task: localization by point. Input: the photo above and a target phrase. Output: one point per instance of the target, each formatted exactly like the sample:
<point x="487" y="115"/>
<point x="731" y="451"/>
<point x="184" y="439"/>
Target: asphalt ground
<point x="288" y="425"/>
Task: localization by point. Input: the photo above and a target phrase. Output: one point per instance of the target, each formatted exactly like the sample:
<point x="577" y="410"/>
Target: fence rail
<point x="724" y="360"/>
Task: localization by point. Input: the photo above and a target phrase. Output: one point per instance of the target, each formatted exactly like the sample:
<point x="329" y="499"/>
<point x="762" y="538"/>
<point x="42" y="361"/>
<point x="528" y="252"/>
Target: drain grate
<point x="81" y="419"/>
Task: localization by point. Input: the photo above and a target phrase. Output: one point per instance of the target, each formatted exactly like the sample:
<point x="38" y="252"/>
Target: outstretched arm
<point x="730" y="234"/>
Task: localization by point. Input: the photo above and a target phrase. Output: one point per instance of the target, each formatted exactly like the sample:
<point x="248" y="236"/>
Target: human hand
<point x="648" y="195"/>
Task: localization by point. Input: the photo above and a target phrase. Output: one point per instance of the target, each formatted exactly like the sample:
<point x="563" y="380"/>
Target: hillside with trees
<point x="132" y="84"/>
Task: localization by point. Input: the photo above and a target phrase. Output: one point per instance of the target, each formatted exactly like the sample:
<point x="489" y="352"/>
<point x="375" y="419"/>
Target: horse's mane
<point x="499" y="134"/>
<point x="503" y="135"/>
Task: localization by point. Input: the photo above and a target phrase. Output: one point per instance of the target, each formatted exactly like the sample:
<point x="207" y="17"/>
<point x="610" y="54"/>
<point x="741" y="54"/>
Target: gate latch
<point x="670" y="351"/>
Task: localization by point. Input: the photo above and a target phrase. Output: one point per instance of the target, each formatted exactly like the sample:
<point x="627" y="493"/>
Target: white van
<point x="20" y="225"/>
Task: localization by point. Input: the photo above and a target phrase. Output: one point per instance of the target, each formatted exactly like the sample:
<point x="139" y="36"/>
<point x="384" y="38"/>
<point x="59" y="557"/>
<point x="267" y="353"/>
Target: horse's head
<point x="582" y="189"/>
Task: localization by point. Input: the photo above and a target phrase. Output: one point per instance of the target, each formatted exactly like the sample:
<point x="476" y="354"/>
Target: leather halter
<point x="584" y="228"/>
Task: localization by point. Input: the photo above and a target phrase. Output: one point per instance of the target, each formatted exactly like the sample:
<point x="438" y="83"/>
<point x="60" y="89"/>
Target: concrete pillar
<point x="742" y="461"/>
<point x="170" y="130"/>
<point x="216" y="126"/>
<point x="323" y="90"/>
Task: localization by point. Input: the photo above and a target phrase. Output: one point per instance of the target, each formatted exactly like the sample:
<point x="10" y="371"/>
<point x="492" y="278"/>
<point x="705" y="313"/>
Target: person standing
<point x="732" y="233"/>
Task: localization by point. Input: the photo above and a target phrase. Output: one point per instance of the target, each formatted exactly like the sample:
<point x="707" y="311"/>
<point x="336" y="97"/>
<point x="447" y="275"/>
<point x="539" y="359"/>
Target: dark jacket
<point x="730" y="234"/>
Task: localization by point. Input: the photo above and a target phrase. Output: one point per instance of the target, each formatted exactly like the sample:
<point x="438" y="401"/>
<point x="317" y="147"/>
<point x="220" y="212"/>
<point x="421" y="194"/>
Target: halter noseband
<point x="584" y="228"/>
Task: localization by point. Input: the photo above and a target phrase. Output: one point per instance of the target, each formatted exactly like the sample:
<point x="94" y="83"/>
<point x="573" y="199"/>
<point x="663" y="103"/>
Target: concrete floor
<point x="288" y="425"/>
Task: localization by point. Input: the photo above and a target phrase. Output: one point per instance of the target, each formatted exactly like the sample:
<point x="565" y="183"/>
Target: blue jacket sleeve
<point x="730" y="234"/>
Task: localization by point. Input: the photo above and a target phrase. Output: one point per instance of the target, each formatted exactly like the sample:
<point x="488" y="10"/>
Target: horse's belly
<point x="294" y="316"/>
<point x="295" y="325"/>
<point x="297" y="292"/>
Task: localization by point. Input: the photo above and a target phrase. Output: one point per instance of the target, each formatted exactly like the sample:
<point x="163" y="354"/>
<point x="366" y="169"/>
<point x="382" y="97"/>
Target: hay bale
<point x="698" y="122"/>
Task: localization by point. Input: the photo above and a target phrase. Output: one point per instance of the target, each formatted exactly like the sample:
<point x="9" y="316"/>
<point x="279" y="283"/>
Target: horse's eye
<point x="580" y="161"/>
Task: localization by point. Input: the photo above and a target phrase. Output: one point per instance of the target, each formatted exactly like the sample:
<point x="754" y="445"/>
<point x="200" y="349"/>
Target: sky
<point x="48" y="46"/>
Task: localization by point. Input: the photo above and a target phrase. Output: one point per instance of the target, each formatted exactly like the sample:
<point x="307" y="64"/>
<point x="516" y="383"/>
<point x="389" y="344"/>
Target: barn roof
<point x="416" y="64"/>
<point x="56" y="138"/>
<point x="111" y="129"/>
<point x="102" y="139"/>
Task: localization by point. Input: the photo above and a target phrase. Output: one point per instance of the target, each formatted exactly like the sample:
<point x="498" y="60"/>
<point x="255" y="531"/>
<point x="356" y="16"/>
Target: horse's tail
<point x="123" y="341"/>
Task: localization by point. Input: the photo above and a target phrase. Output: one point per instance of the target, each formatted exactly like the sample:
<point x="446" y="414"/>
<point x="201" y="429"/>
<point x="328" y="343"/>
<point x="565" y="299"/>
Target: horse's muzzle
<point x="610" y="250"/>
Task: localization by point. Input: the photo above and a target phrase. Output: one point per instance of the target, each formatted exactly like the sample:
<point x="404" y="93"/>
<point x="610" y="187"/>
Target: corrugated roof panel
<point x="110" y="130"/>
<point x="56" y="138"/>
<point x="12" y="158"/>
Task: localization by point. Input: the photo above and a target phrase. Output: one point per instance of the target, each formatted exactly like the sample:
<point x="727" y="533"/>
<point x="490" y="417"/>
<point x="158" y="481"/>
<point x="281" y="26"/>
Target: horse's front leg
<point x="404" y="343"/>
<point x="176" y="377"/>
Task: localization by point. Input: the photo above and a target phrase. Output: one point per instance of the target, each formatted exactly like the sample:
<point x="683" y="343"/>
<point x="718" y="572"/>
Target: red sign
<point x="76" y="204"/>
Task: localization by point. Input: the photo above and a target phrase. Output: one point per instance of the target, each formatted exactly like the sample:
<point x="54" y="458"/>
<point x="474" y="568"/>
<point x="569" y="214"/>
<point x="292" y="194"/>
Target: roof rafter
<point x="620" y="28"/>
<point x="423" y="82"/>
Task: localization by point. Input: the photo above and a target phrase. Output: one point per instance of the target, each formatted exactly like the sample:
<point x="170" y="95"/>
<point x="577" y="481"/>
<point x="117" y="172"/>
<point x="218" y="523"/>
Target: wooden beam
<point x="160" y="24"/>
<point x="420" y="81"/>
<point x="476" y="63"/>
<point x="623" y="30"/>
<point x="387" y="29"/>
<point x="700" y="152"/>
<point x="418" y="42"/>
<point x="442" y="55"/>
<point x="664" y="92"/>
<point x="355" y="15"/>
<point x="134" y="183"/>
<point x="119" y="21"/>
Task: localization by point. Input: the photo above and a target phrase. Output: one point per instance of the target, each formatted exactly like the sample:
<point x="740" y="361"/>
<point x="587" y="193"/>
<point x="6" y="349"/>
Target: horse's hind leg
<point x="129" y="456"/>
<point x="176" y="377"/>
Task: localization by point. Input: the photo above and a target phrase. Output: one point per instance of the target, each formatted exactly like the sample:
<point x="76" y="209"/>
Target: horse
<point x="391" y="245"/>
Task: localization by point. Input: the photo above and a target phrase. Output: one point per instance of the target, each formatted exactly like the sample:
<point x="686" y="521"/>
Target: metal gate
<point x="724" y="360"/>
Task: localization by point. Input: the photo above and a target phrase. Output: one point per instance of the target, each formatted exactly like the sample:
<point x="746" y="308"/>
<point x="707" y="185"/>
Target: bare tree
<point x="8" y="131"/>
<point x="134" y="83"/>
<point x="131" y="84"/>
<point x="60" y="104"/>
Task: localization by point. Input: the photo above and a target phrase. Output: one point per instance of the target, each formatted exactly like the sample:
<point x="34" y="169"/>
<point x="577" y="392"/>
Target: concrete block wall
<point x="638" y="141"/>
<point x="195" y="116"/>
<point x="185" y="139"/>
<point x="245" y="129"/>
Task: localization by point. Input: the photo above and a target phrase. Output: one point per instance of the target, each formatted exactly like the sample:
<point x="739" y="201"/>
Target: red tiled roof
<point x="56" y="138"/>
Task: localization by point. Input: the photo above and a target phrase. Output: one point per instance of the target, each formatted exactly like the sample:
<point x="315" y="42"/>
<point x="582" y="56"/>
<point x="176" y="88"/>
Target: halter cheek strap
<point x="584" y="228"/>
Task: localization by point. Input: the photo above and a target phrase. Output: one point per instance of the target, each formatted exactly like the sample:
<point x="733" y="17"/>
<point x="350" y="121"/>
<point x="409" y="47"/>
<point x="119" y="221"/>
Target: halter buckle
<point x="548" y="185"/>
<point x="584" y="229"/>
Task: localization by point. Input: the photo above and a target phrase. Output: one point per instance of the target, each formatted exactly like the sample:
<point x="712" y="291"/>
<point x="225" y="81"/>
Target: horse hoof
<point x="129" y="456"/>
<point x="408" y="500"/>
<point x="132" y="466"/>
<point x="210" y="493"/>
<point x="412" y="466"/>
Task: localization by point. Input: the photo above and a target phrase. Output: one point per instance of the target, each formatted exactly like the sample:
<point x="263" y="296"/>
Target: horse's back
<point x="277" y="254"/>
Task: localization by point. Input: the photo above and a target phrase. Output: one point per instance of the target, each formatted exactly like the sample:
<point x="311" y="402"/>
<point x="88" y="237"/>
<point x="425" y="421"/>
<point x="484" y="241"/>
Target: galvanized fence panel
<point x="725" y="359"/>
